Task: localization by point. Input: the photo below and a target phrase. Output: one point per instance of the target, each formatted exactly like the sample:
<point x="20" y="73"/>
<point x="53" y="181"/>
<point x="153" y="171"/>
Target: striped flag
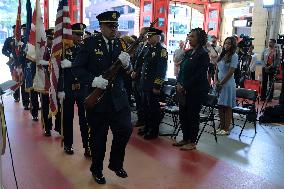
<point x="62" y="39"/>
<point x="36" y="49"/>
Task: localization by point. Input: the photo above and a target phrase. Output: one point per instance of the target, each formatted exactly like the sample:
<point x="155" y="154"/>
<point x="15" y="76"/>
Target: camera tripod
<point x="269" y="91"/>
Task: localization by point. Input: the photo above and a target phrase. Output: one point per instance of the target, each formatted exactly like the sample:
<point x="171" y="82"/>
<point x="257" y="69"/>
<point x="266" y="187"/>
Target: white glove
<point x="124" y="59"/>
<point x="66" y="63"/>
<point x="61" y="96"/>
<point x="11" y="55"/>
<point x="100" y="82"/>
<point x="43" y="62"/>
<point x="20" y="43"/>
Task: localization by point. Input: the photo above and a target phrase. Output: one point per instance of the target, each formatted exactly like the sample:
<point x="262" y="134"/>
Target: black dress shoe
<point x="149" y="136"/>
<point x="35" y="118"/>
<point x="26" y="108"/>
<point x="47" y="133"/>
<point x="141" y="131"/>
<point x="68" y="150"/>
<point x="99" y="177"/>
<point x="119" y="172"/>
<point x="87" y="153"/>
<point x="17" y="100"/>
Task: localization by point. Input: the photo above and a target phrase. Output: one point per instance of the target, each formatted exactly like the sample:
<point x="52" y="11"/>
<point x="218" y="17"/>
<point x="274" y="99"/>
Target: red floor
<point x="41" y="164"/>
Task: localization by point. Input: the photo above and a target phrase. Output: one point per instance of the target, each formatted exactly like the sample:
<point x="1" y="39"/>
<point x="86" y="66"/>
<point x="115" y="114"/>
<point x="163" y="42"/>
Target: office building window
<point x="119" y="9"/>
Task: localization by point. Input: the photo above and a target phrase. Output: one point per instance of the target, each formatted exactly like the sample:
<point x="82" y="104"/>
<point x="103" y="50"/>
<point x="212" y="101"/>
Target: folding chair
<point x="170" y="107"/>
<point x="246" y="99"/>
<point x="211" y="104"/>
<point x="253" y="85"/>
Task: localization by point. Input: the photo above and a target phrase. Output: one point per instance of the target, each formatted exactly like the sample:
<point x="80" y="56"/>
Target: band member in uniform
<point x="73" y="92"/>
<point x="95" y="57"/>
<point x="152" y="78"/>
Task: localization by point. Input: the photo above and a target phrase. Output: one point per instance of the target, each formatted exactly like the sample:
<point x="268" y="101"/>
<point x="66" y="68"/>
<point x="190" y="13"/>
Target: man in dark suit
<point x="95" y="57"/>
<point x="74" y="91"/>
<point x="152" y="78"/>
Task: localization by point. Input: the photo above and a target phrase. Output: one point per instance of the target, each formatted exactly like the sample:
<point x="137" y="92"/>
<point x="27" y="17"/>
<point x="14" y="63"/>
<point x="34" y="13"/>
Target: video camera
<point x="280" y="40"/>
<point x="245" y="43"/>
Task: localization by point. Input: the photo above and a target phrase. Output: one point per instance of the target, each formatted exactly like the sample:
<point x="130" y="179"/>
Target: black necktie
<point x="110" y="47"/>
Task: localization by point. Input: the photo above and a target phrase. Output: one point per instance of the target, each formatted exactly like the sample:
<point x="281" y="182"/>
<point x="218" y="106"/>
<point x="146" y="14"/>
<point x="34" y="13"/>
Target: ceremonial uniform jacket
<point x="92" y="61"/>
<point x="154" y="67"/>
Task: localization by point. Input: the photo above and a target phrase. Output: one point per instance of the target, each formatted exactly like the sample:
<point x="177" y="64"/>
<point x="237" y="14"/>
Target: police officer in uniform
<point x="95" y="57"/>
<point x="152" y="77"/>
<point x="74" y="92"/>
<point x="9" y="51"/>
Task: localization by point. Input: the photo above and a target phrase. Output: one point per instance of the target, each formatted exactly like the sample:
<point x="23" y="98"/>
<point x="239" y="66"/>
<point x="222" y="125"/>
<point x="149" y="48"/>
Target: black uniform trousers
<point x="138" y="100"/>
<point x="152" y="112"/>
<point x="34" y="103"/>
<point x="120" y="125"/>
<point x="189" y="115"/>
<point x="68" y="115"/>
<point x="266" y="76"/>
<point x="45" y="111"/>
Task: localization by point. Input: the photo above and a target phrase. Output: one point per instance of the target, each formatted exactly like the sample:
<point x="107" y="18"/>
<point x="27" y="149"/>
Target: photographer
<point x="270" y="58"/>
<point x="252" y="62"/>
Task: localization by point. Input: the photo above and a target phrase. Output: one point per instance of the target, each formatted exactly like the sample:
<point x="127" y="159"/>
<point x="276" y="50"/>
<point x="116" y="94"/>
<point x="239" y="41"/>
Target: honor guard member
<point x="95" y="57"/>
<point x="73" y="91"/>
<point x="47" y="121"/>
<point x="23" y="62"/>
<point x="9" y="51"/>
<point x="152" y="78"/>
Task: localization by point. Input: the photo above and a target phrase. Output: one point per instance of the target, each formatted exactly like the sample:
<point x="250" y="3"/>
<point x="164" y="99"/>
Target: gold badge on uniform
<point x="98" y="52"/>
<point x="114" y="15"/>
<point x="164" y="53"/>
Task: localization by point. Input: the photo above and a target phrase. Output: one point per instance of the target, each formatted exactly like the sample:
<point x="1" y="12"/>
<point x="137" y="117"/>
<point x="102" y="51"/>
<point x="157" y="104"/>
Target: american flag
<point x="62" y="39"/>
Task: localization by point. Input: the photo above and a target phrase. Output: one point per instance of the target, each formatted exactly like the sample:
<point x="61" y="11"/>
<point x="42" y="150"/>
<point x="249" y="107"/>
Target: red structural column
<point x="212" y="18"/>
<point x="154" y="9"/>
<point x="75" y="7"/>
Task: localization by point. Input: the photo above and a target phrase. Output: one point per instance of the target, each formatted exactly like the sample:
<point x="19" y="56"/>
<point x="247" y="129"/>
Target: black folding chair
<point x="211" y="104"/>
<point x="169" y="106"/>
<point x="246" y="100"/>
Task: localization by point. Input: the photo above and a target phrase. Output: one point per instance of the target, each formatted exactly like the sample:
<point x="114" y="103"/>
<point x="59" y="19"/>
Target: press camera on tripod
<point x="243" y="71"/>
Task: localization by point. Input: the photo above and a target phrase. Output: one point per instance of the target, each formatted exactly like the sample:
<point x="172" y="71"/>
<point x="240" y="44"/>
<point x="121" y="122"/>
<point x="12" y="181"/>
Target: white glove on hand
<point x="124" y="59"/>
<point x="66" y="63"/>
<point x="61" y="96"/>
<point x="20" y="43"/>
<point x="100" y="82"/>
<point x="43" y="62"/>
<point x="11" y="55"/>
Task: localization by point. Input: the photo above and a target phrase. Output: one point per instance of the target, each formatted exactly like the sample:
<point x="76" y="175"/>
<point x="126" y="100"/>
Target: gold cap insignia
<point x="81" y="26"/>
<point x="114" y="15"/>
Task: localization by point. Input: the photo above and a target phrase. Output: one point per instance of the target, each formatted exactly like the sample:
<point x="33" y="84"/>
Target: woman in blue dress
<point x="226" y="85"/>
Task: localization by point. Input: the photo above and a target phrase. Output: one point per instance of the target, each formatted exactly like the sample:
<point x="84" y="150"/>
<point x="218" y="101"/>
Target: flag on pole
<point x="18" y="31"/>
<point x="28" y="71"/>
<point x="62" y="39"/>
<point x="36" y="49"/>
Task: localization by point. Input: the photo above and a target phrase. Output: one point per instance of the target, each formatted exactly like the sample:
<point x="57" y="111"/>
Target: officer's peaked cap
<point x="78" y="28"/>
<point x="154" y="31"/>
<point x="108" y="16"/>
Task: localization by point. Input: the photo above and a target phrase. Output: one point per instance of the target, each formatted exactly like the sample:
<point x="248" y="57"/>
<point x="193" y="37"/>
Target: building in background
<point x="128" y="21"/>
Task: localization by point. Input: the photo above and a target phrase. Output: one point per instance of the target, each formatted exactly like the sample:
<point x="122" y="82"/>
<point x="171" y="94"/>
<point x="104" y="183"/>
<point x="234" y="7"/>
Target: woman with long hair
<point x="226" y="85"/>
<point x="193" y="84"/>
